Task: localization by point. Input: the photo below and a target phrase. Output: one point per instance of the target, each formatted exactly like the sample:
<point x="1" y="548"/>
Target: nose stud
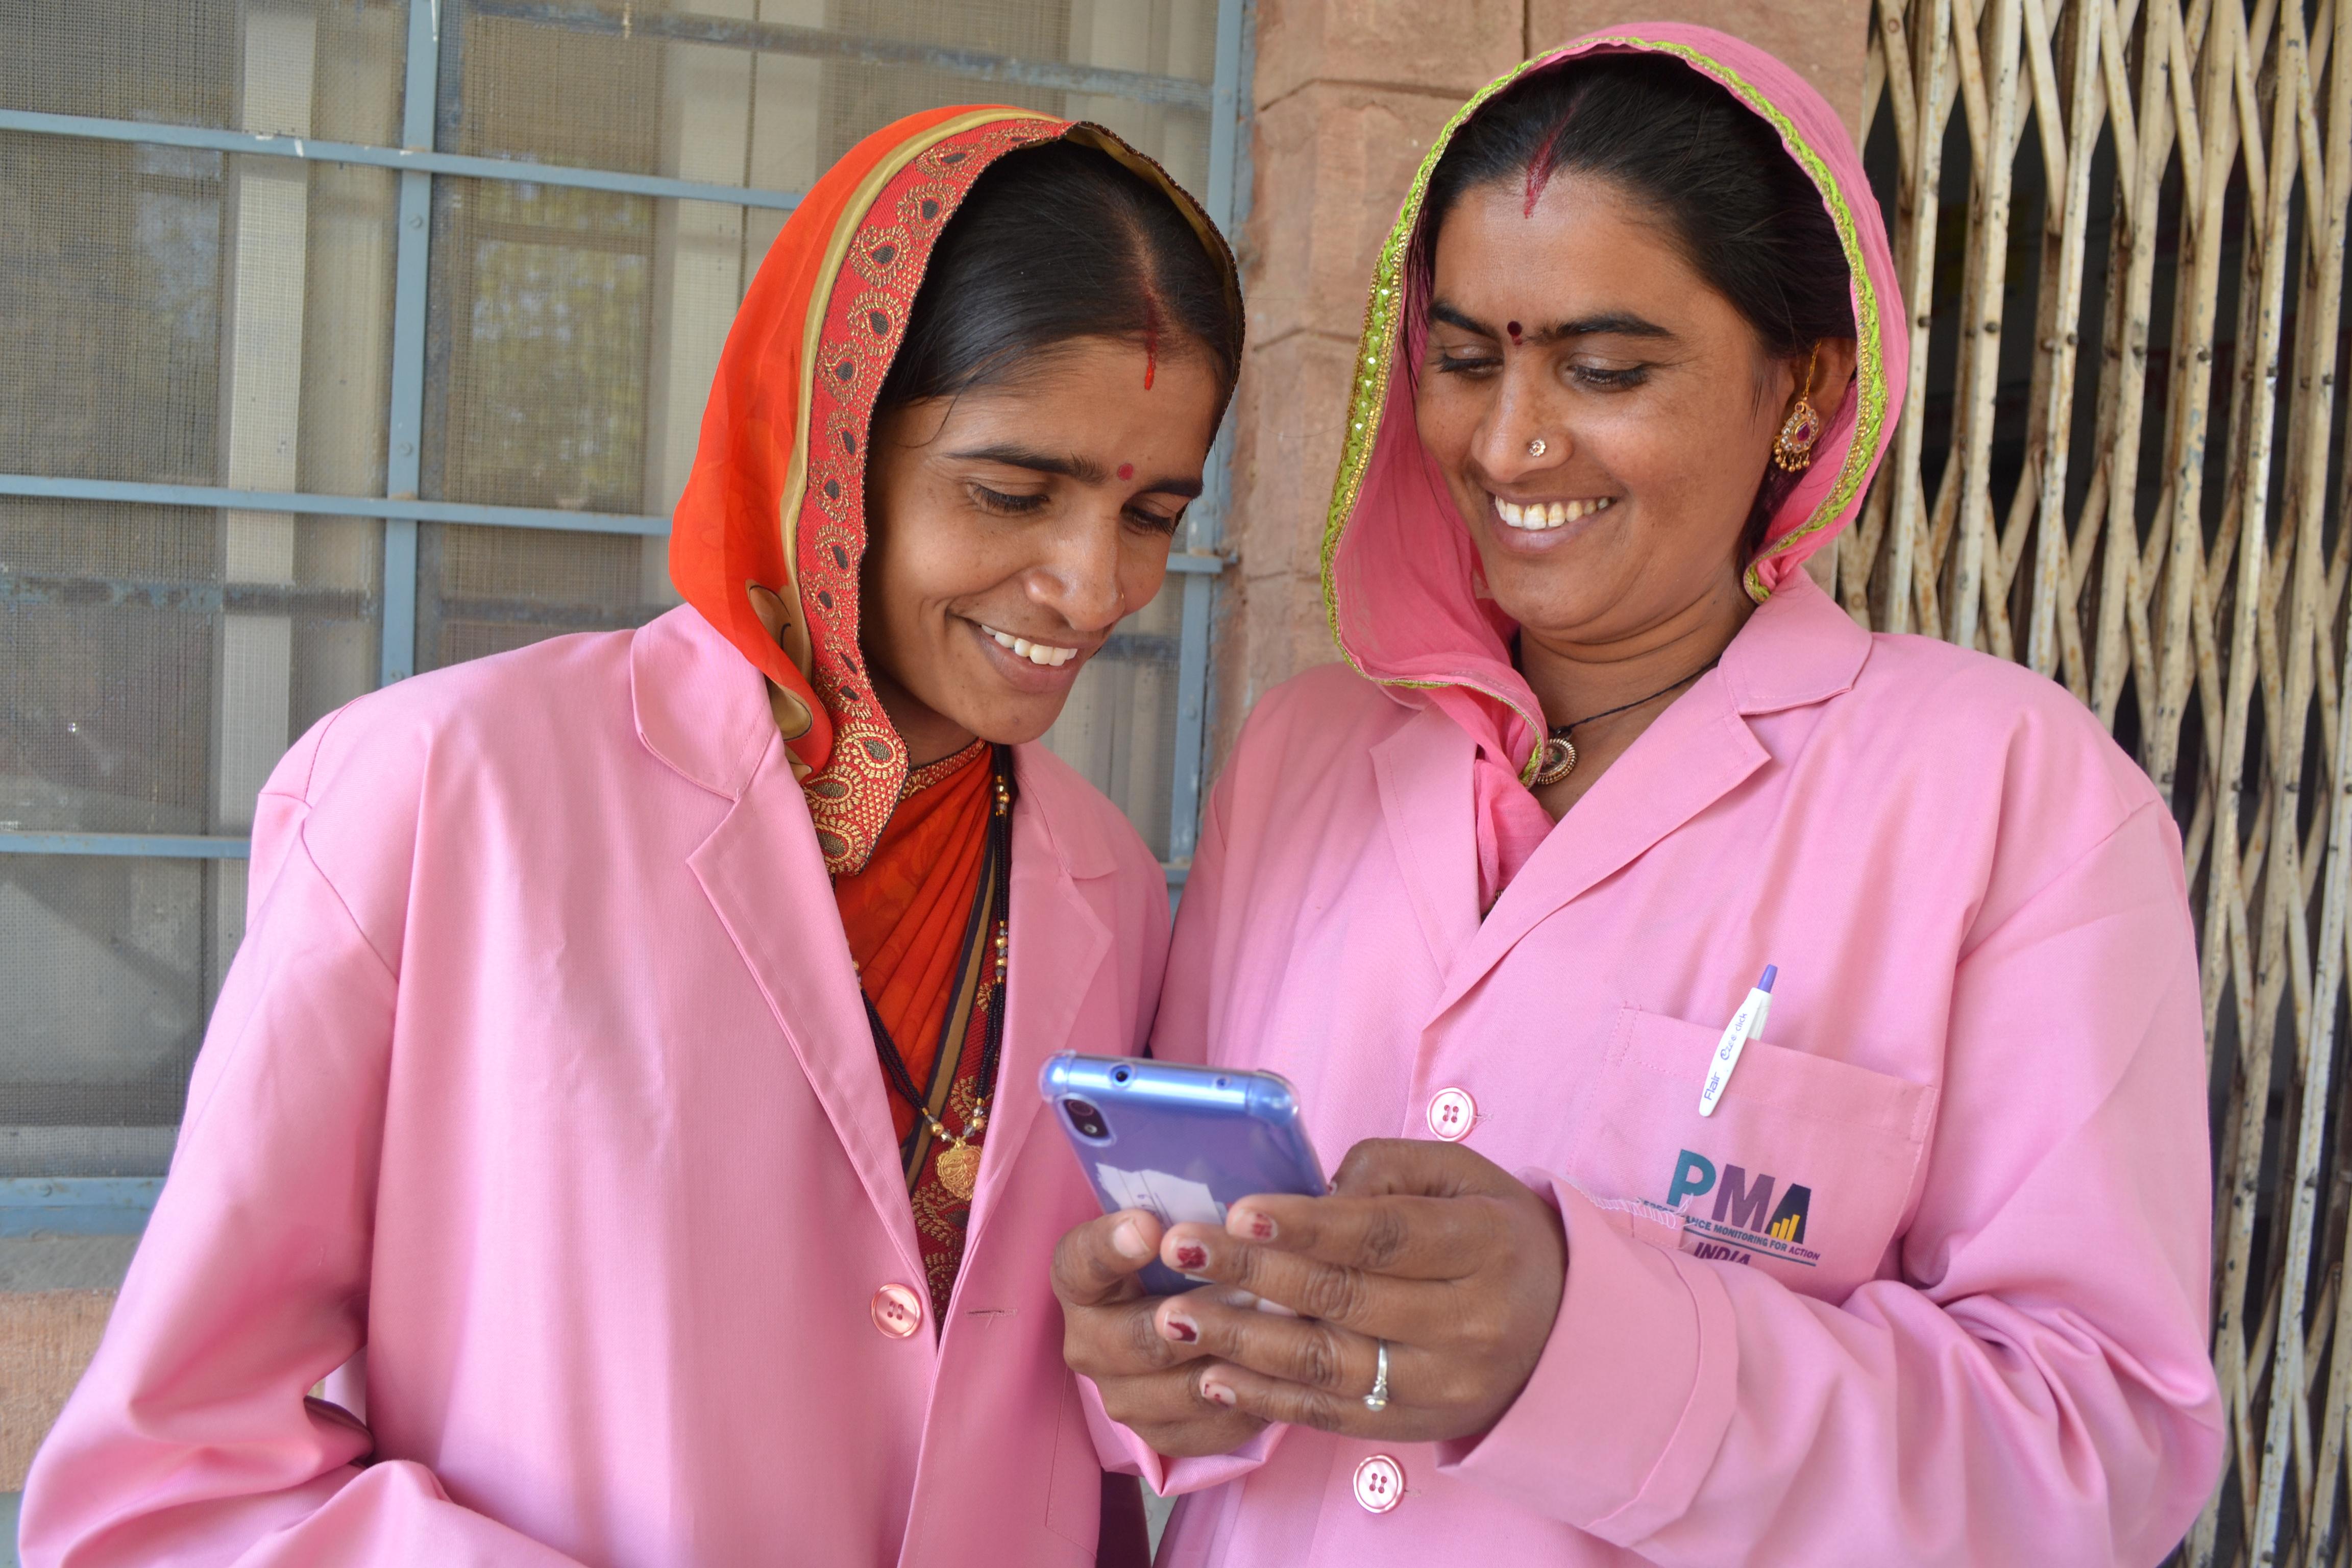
<point x="1535" y="448"/>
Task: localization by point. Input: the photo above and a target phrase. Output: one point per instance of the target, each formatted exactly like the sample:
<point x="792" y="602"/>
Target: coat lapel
<point x="1695" y="753"/>
<point x="764" y="874"/>
<point x="1057" y="945"/>
<point x="1798" y="648"/>
<point x="1423" y="775"/>
<point x="703" y="710"/>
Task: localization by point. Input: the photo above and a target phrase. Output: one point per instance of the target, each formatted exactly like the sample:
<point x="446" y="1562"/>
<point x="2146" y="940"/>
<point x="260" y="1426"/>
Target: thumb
<point x="1095" y="1263"/>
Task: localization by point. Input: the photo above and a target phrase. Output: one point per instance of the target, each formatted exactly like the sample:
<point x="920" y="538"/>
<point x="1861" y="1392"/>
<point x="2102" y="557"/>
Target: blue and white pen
<point x="1745" y="1025"/>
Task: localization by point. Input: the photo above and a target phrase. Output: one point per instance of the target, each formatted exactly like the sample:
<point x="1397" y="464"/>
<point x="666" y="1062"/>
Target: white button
<point x="1380" y="1483"/>
<point x="897" y="1311"/>
<point x="1450" y="1113"/>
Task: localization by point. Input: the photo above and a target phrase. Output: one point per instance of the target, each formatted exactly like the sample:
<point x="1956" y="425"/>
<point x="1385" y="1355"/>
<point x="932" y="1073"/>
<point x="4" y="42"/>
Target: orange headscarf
<point x="777" y="496"/>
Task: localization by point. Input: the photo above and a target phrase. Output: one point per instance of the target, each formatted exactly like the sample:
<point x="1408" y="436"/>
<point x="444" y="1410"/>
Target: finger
<point x="1124" y="1340"/>
<point x="1095" y="1263"/>
<point x="1406" y="1238"/>
<point x="1167" y="1410"/>
<point x="1285" y="1284"/>
<point x="1159" y="1398"/>
<point x="1296" y="1349"/>
<point x="1253" y="1393"/>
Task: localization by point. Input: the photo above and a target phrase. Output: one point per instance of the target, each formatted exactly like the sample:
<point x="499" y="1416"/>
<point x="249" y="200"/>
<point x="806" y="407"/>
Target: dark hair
<point x="1750" y="221"/>
<point x="1056" y="242"/>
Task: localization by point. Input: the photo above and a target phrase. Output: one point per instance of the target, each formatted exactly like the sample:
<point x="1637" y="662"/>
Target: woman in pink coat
<point x="1922" y="1278"/>
<point x="542" y="1116"/>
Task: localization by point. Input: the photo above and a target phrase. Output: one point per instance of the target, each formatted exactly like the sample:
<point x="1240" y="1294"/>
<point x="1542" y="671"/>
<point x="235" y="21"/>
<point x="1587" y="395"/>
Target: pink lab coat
<point x="541" y="1077"/>
<point x="1987" y="1343"/>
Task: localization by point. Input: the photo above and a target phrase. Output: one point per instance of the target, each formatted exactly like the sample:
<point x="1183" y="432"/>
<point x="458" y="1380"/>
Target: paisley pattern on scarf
<point x="854" y="794"/>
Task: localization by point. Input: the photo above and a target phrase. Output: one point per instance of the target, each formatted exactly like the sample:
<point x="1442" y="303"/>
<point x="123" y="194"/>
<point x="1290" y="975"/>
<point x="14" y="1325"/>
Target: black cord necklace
<point x="1560" y="751"/>
<point x="959" y="1162"/>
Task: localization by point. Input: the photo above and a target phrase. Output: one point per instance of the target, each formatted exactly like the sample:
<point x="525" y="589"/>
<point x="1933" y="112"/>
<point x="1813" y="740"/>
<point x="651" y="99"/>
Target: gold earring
<point x="1793" y="451"/>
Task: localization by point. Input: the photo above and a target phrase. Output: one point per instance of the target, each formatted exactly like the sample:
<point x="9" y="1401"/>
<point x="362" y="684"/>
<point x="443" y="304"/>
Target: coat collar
<point x="700" y="706"/>
<point x="1798" y="648"/>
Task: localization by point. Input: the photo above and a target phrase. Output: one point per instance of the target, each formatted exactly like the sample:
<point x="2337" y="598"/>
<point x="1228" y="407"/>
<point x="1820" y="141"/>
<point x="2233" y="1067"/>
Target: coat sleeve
<point x="192" y="1438"/>
<point x="2032" y="1388"/>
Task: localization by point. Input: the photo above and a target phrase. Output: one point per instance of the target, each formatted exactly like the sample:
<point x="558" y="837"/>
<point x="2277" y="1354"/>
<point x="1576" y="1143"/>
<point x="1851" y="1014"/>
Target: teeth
<point x="1041" y="653"/>
<point x="1539" y="516"/>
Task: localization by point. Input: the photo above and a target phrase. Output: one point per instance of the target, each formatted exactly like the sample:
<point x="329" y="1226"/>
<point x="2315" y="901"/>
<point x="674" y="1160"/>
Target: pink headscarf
<point x="1399" y="568"/>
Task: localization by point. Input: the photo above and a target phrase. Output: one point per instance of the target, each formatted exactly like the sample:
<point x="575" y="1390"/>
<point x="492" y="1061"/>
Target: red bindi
<point x="1512" y="328"/>
<point x="1126" y="470"/>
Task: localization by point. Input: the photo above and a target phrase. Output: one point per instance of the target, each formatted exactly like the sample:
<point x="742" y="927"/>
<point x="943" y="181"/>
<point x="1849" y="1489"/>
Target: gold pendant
<point x="1558" y="756"/>
<point x="958" y="1168"/>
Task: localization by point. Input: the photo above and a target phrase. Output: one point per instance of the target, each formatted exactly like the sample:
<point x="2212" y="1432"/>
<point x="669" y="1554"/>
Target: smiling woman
<point x="610" y="1098"/>
<point x="1916" y="1274"/>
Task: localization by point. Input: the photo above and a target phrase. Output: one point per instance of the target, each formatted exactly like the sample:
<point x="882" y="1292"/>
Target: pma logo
<point x="1740" y="1204"/>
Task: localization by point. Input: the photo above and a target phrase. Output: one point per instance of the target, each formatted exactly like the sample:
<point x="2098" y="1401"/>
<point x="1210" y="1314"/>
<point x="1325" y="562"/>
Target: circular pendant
<point x="1559" y="760"/>
<point x="958" y="1168"/>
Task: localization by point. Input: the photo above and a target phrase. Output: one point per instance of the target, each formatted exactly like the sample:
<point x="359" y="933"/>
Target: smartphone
<point x="1186" y="1142"/>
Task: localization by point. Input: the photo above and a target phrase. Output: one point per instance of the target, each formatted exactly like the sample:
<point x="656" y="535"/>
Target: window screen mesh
<point x="184" y="62"/>
<point x="179" y="316"/>
<point x="186" y="316"/>
<point x="109" y="966"/>
<point x="144" y="689"/>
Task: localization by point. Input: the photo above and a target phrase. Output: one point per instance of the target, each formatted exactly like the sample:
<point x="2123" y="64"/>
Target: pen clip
<point x="1745" y="1025"/>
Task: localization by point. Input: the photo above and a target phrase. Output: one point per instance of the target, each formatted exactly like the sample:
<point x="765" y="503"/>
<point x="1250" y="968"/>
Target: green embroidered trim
<point x="1383" y="321"/>
<point x="1383" y="316"/>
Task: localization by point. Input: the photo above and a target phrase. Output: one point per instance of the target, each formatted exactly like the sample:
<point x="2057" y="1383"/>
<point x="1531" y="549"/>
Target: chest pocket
<point x="1803" y="1170"/>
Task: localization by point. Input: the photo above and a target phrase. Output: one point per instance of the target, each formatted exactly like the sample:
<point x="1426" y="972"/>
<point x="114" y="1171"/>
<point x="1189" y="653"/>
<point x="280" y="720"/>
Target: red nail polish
<point x="1181" y="1330"/>
<point x="1217" y="1394"/>
<point x="1191" y="1255"/>
<point x="1261" y="1227"/>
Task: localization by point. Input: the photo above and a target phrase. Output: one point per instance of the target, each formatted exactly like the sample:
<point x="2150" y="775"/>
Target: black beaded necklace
<point x="1560" y="751"/>
<point x="958" y="1163"/>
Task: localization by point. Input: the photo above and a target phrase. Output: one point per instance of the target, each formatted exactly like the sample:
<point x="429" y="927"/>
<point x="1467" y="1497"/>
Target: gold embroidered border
<point x="854" y="216"/>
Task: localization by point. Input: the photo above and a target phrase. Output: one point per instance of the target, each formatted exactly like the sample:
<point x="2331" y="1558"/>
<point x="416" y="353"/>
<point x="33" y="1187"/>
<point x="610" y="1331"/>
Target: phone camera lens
<point x="1086" y="1119"/>
<point x="1121" y="1075"/>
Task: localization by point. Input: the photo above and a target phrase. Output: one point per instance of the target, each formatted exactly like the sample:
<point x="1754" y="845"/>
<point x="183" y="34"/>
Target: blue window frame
<point x="374" y="352"/>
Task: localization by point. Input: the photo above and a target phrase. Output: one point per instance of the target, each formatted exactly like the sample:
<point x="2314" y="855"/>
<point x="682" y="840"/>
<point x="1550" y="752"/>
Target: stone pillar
<point x="1824" y="40"/>
<point x="1347" y="95"/>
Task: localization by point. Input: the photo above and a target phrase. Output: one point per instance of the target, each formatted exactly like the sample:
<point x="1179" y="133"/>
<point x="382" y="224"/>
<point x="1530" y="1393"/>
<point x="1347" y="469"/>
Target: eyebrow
<point x="1072" y="466"/>
<point x="1610" y="323"/>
